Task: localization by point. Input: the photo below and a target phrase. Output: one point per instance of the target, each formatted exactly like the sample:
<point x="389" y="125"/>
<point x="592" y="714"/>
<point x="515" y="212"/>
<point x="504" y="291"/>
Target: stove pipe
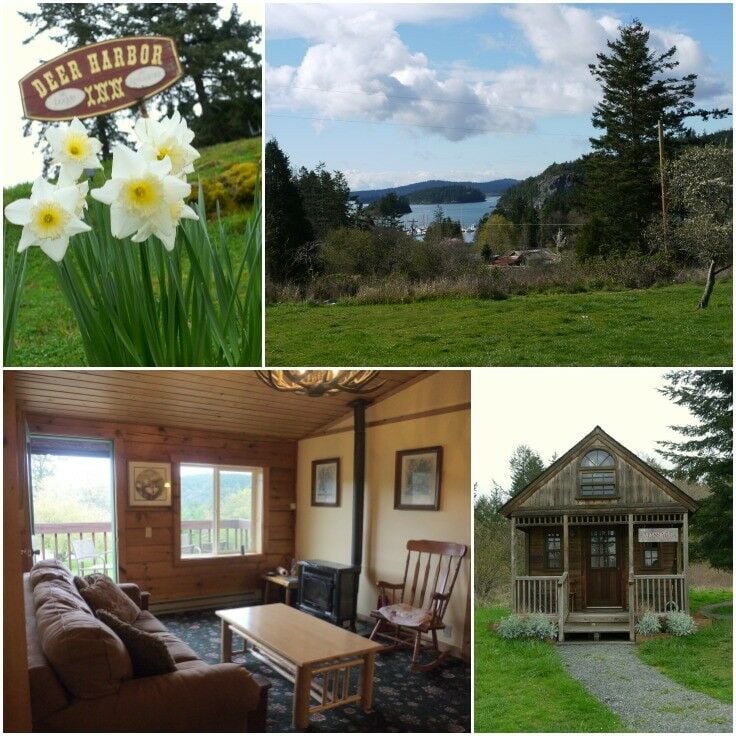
<point x="359" y="406"/>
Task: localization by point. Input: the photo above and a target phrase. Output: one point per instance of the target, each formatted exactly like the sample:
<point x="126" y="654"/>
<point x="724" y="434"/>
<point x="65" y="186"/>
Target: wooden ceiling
<point x="227" y="401"/>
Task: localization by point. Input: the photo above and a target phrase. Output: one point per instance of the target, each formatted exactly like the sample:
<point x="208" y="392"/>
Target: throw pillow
<point x="104" y="594"/>
<point x="148" y="654"/>
<point x="80" y="582"/>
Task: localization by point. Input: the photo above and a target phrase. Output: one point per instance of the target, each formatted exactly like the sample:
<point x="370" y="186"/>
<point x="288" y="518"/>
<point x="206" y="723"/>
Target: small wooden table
<point x="318" y="657"/>
<point x="287" y="583"/>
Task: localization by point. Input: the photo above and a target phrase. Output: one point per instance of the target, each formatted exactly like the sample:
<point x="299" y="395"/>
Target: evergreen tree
<point x="706" y="456"/>
<point x="525" y="464"/>
<point x="326" y="198"/>
<point x="638" y="90"/>
<point x="287" y="227"/>
<point x="220" y="94"/>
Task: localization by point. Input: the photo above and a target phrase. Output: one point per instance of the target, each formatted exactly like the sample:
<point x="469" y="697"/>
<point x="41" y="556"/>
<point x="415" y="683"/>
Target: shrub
<point x="233" y="189"/>
<point x="533" y="626"/>
<point x="648" y="624"/>
<point x="680" y="623"/>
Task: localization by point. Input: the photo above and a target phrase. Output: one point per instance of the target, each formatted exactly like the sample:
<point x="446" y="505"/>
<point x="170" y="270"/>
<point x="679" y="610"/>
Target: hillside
<point x="490" y="188"/>
<point x="452" y="194"/>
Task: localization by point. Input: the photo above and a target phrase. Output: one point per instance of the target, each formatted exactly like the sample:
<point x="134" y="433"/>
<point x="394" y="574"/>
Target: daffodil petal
<point x="77" y="226"/>
<point x="19" y="212"/>
<point x="27" y="238"/>
<point x="55" y="249"/>
<point x="108" y="192"/>
<point x="122" y="223"/>
<point x="188" y="213"/>
<point x="67" y="197"/>
<point x="125" y="163"/>
<point x="175" y="188"/>
<point x="168" y="239"/>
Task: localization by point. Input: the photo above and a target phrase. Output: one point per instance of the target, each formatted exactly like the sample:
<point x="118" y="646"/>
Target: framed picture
<point x="149" y="484"/>
<point x="326" y="482"/>
<point x="418" y="476"/>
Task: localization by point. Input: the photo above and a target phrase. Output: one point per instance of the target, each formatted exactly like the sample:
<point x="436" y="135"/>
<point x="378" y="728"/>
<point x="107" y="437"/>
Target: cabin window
<point x="603" y="552"/>
<point x="597" y="475"/>
<point x="553" y="550"/>
<point x="220" y="511"/>
<point x="651" y="554"/>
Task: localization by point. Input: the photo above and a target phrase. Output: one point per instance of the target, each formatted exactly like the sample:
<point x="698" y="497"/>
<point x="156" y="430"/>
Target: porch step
<point x="584" y="617"/>
<point x="601" y="627"/>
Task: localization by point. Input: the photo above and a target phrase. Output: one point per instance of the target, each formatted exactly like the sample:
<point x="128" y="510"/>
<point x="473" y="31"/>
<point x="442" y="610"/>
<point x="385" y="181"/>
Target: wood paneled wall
<point x="633" y="488"/>
<point x="152" y="562"/>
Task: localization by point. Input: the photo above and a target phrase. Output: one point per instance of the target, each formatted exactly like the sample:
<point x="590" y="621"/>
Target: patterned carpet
<point x="436" y="701"/>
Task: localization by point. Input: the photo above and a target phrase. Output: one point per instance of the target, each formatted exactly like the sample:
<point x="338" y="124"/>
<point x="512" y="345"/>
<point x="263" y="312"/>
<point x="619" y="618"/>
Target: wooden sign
<point x="658" y="535"/>
<point x="100" y="78"/>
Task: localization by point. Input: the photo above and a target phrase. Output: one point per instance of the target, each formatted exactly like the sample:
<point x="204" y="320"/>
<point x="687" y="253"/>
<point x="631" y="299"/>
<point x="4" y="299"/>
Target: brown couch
<point x="81" y="675"/>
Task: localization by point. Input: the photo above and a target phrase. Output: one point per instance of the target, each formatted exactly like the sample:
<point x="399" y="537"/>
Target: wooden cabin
<point x="189" y="423"/>
<point x="605" y="538"/>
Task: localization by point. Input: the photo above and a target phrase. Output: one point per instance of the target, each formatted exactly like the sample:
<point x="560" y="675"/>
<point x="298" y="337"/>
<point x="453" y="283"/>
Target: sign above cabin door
<point x="604" y="563"/>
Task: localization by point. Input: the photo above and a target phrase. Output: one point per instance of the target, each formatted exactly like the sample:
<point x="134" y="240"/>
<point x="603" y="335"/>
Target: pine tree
<point x="287" y="227"/>
<point x="706" y="456"/>
<point x="638" y="91"/>
<point x="525" y="464"/>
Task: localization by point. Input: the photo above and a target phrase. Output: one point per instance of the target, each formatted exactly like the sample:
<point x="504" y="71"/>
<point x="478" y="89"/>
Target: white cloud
<point x="359" y="67"/>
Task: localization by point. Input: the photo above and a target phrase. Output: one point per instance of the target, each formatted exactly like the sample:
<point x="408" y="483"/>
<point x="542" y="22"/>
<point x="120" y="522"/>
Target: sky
<point x="550" y="410"/>
<point x="20" y="161"/>
<point x="390" y="94"/>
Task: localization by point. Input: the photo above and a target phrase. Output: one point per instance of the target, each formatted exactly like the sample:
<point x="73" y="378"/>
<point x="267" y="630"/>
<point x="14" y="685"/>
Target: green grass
<point x="523" y="686"/>
<point x="653" y="327"/>
<point x="703" y="660"/>
<point x="46" y="332"/>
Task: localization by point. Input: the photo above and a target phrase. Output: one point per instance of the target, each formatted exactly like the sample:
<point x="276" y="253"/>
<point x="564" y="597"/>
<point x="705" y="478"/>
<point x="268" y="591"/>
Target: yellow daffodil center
<point x="163" y="152"/>
<point x="49" y="220"/>
<point x="77" y="146"/>
<point x="144" y="194"/>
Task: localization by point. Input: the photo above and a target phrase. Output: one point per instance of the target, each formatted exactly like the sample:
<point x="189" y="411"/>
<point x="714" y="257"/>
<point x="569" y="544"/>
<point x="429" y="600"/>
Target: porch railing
<point x="197" y="536"/>
<point x="659" y="593"/>
<point x="54" y="541"/>
<point x="536" y="594"/>
<point x="563" y="587"/>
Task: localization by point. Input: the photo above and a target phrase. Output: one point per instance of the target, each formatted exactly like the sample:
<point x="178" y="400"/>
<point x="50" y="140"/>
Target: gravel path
<point x="640" y="695"/>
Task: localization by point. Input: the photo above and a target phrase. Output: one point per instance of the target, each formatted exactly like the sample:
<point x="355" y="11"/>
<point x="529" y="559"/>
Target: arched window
<point x="597" y="474"/>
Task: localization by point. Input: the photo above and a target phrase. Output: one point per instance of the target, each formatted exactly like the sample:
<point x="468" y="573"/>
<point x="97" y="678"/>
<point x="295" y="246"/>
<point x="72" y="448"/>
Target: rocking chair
<point x="410" y="611"/>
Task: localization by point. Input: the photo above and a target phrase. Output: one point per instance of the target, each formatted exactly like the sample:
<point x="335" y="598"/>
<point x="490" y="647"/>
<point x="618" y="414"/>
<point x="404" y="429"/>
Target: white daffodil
<point x="168" y="137"/>
<point x="67" y="180"/>
<point x="73" y="148"/>
<point x="141" y="195"/>
<point x="48" y="218"/>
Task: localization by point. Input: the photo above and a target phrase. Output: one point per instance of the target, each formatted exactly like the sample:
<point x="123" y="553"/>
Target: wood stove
<point x="329" y="590"/>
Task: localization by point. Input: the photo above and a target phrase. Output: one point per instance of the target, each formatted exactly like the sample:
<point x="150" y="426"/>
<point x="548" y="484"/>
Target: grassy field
<point x="46" y="333"/>
<point x="654" y="327"/>
<point x="523" y="686"/>
<point x="703" y="660"/>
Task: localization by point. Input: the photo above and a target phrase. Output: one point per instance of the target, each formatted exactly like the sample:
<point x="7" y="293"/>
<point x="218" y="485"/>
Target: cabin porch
<point x="596" y="572"/>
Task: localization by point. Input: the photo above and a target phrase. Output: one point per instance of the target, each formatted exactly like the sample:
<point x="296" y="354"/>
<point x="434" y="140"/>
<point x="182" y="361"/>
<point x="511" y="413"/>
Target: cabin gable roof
<point x="637" y="483"/>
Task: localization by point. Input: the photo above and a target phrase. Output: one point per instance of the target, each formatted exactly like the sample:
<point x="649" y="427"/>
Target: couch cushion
<point x="87" y="656"/>
<point x="146" y="621"/>
<point x="49" y="570"/>
<point x="148" y="653"/>
<point x="59" y="594"/>
<point x="178" y="650"/>
<point x="104" y="594"/>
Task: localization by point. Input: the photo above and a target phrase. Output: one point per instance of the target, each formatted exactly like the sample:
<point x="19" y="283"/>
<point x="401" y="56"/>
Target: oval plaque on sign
<point x="64" y="99"/>
<point x="100" y="78"/>
<point x="144" y="77"/>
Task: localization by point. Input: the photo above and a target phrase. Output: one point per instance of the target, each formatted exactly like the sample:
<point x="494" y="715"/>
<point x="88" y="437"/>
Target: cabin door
<point x="604" y="568"/>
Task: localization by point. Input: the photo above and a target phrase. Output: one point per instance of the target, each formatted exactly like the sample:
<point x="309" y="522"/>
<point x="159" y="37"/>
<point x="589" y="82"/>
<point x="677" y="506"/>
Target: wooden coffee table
<point x="318" y="657"/>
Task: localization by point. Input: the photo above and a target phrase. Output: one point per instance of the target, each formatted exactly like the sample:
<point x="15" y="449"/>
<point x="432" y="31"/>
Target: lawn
<point x="46" y="332"/>
<point x="654" y="327"/>
<point x="703" y="660"/>
<point x="523" y="686"/>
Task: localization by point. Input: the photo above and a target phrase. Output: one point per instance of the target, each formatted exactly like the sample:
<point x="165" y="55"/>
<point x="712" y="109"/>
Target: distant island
<point x="493" y="188"/>
<point x="451" y="194"/>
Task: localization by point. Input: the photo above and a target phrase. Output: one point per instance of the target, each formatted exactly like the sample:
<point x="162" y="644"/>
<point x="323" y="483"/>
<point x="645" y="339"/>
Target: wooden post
<point x="302" y="694"/>
<point x="566" y="545"/>
<point x="226" y="642"/>
<point x="661" y="183"/>
<point x="631" y="587"/>
<point x="685" y="563"/>
<point x="513" y="564"/>
<point x="366" y="682"/>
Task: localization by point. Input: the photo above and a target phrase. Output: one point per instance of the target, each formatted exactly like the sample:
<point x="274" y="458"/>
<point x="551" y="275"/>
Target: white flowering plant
<point x="146" y="283"/>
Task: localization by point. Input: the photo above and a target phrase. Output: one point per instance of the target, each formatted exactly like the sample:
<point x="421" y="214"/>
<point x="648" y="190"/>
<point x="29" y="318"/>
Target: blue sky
<point x="390" y="94"/>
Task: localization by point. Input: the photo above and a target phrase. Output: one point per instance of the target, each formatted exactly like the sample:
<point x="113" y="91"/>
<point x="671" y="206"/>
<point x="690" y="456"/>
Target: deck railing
<point x="562" y="604"/>
<point x="536" y="594"/>
<point x="197" y="536"/>
<point x="659" y="593"/>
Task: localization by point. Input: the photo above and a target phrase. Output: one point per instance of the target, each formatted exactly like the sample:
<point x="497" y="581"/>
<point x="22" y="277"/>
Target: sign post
<point x="100" y="78"/>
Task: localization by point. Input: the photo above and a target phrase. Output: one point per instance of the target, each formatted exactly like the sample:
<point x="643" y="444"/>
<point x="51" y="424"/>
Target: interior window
<point x="597" y="474"/>
<point x="220" y="510"/>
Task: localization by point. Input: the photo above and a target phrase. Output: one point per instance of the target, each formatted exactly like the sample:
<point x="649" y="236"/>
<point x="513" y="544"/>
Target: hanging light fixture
<point x="318" y="383"/>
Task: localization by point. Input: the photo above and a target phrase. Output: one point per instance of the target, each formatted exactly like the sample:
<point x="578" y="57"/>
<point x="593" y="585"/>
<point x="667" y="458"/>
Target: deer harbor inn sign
<point x="100" y="78"/>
